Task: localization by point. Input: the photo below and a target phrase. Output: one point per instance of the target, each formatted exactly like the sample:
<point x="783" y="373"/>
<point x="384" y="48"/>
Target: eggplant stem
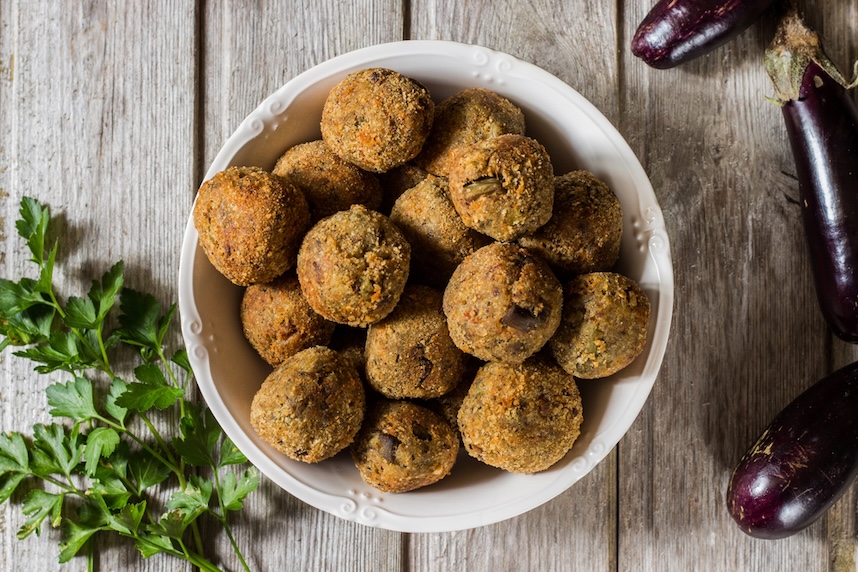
<point x="793" y="49"/>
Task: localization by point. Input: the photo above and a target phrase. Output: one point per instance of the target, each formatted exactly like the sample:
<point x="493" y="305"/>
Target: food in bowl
<point x="250" y="224"/>
<point x="577" y="137"/>
<point x="353" y="266"/>
<point x="503" y="186"/>
<point x="463" y="119"/>
<point x="377" y="119"/>
<point x="502" y="303"/>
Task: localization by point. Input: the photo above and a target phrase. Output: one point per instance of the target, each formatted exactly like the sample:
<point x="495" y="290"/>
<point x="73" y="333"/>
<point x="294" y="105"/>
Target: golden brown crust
<point x="250" y="224"/>
<point x="503" y="186"/>
<point x="353" y="266"/>
<point x="502" y="303"/>
<point x="463" y="119"/>
<point x="329" y="183"/>
<point x="585" y="230"/>
<point x="604" y="325"/>
<point x="403" y="446"/>
<point x="523" y="417"/>
<point x="377" y="119"/>
<point x="311" y="406"/>
<point x="409" y="354"/>
<point x="278" y="322"/>
<point x="439" y="239"/>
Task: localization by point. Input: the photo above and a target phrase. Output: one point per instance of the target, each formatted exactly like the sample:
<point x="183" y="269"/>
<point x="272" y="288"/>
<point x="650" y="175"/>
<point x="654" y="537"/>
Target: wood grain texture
<point x="111" y="114"/>
<point x="96" y="127"/>
<point x="747" y="335"/>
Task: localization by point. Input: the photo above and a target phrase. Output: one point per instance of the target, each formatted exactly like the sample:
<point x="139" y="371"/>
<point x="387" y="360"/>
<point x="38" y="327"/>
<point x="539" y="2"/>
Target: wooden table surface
<point x="110" y="112"/>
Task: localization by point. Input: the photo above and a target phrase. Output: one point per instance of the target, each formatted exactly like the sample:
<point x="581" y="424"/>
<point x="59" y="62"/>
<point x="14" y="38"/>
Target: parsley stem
<point x="223" y="521"/>
<point x="169" y="463"/>
<point x="173" y="464"/>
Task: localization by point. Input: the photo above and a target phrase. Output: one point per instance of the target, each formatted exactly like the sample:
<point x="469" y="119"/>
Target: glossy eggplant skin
<point x="676" y="31"/>
<point x="822" y="125"/>
<point x="803" y="462"/>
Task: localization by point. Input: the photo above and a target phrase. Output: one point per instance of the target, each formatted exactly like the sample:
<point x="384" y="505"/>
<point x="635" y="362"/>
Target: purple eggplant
<point x="822" y="124"/>
<point x="676" y="31"/>
<point x="803" y="462"/>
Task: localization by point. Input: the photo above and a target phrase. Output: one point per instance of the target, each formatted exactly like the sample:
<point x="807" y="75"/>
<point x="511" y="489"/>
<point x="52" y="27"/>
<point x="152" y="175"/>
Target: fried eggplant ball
<point x="353" y="266"/>
<point x="250" y="224"/>
<point x="502" y="303"/>
<point x="377" y="119"/>
<point x="604" y="325"/>
<point x="439" y="239"/>
<point x="328" y="183"/>
<point x="503" y="186"/>
<point x="409" y="354"/>
<point x="585" y="230"/>
<point x="278" y="322"/>
<point x="311" y="406"/>
<point x="403" y="446"/>
<point x="522" y="418"/>
<point x="463" y="119"/>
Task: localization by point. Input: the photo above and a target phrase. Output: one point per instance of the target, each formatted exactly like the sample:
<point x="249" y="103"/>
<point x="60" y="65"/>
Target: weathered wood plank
<point x="97" y="116"/>
<point x="747" y="335"/>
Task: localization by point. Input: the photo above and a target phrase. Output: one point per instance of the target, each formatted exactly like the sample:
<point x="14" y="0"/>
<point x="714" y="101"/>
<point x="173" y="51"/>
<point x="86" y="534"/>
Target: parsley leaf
<point x="100" y="442"/>
<point x="39" y="505"/>
<point x="147" y="471"/>
<point x="200" y="434"/>
<point x="75" y="535"/>
<point x="145" y="396"/>
<point x="56" y="450"/>
<point x="72" y="399"/>
<point x="117" y="388"/>
<point x="233" y="490"/>
<point x="194" y="500"/>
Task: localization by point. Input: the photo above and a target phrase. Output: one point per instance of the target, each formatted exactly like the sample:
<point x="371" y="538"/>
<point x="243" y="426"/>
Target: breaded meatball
<point x="463" y="119"/>
<point x="585" y="231"/>
<point x="439" y="239"/>
<point x="409" y="353"/>
<point x="604" y="325"/>
<point x="503" y="186"/>
<point x="278" y="322"/>
<point x="502" y="303"/>
<point x="353" y="265"/>
<point x="329" y="183"/>
<point x="403" y="446"/>
<point x="377" y="119"/>
<point x="250" y="224"/>
<point x="311" y="406"/>
<point x="522" y="417"/>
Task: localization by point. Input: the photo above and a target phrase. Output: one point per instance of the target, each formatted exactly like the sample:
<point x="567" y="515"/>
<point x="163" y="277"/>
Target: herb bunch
<point x="99" y="471"/>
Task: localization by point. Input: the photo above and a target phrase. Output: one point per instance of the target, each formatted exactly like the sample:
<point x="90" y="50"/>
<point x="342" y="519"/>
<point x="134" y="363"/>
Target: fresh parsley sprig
<point x="92" y="473"/>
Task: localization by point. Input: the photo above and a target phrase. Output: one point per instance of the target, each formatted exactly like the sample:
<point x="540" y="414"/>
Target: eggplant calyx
<point x="793" y="49"/>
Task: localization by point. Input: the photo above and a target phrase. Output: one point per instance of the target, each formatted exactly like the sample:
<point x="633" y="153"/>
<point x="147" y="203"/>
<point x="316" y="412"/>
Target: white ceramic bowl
<point x="576" y="135"/>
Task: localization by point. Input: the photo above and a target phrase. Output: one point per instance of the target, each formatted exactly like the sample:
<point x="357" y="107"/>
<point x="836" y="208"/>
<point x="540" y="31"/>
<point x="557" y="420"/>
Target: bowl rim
<point x="653" y="232"/>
